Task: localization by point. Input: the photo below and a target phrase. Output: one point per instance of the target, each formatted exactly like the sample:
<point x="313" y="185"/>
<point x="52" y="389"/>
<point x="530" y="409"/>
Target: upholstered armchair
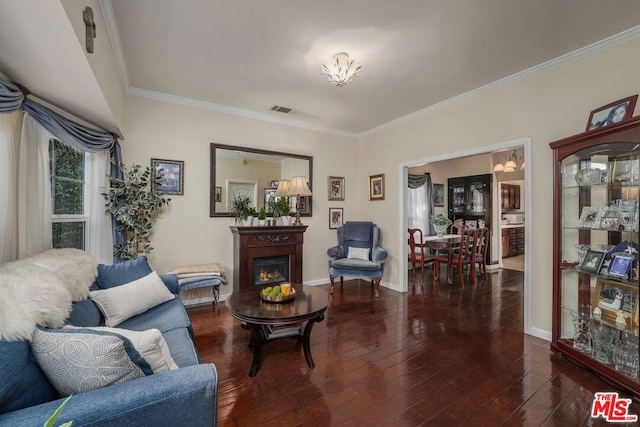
<point x="357" y="254"/>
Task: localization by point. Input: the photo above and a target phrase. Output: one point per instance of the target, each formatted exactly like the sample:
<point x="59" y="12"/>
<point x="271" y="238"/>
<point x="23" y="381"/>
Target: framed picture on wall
<point x="336" y="217"/>
<point x="335" y="186"/>
<point x="438" y="195"/>
<point x="169" y="176"/>
<point x="218" y="195"/>
<point x="376" y="187"/>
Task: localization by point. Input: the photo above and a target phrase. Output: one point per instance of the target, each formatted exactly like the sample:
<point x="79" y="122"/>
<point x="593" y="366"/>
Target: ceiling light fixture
<point x="341" y="70"/>
<point x="510" y="165"/>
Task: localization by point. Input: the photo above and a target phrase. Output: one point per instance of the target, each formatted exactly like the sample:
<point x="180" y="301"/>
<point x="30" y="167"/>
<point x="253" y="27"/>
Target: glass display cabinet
<point x="595" y="252"/>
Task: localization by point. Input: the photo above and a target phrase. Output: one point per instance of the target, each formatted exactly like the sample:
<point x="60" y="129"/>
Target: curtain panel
<point x="69" y="132"/>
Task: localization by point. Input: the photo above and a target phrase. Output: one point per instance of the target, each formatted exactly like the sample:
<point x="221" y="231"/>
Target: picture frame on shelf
<point x="336" y="218"/>
<point x="610" y="223"/>
<point x="169" y="176"/>
<point x="438" y="195"/>
<point x="592" y="262"/>
<point x="335" y="186"/>
<point x="612" y="113"/>
<point x="376" y="187"/>
<point x="274" y="183"/>
<point x="590" y="217"/>
<point x="612" y="297"/>
<point x="620" y="265"/>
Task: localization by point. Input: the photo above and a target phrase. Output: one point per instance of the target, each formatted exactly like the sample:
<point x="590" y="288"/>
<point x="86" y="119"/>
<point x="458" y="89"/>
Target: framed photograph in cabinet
<point x="169" y="176"/>
<point x="590" y="217"/>
<point x="335" y="185"/>
<point x="612" y="113"/>
<point x="620" y="265"/>
<point x="612" y="297"/>
<point x="609" y="223"/>
<point x="336" y="218"/>
<point x="592" y="262"/>
<point x="438" y="195"/>
<point x="376" y="187"/>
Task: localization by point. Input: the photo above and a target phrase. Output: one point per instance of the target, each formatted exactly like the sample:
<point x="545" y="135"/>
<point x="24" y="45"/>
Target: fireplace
<point x="267" y="255"/>
<point x="271" y="270"/>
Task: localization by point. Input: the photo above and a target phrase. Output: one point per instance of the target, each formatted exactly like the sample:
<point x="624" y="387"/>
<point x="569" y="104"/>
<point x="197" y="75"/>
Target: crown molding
<point x="190" y="102"/>
<point x="568" y="58"/>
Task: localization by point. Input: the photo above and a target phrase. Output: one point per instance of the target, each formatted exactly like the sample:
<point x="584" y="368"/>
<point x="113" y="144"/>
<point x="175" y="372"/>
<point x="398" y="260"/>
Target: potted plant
<point x="134" y="205"/>
<point x="262" y="216"/>
<point x="281" y="209"/>
<point x="440" y="224"/>
<point x="243" y="210"/>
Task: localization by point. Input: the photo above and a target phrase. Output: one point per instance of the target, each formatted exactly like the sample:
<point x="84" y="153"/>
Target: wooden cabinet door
<point x="505" y="243"/>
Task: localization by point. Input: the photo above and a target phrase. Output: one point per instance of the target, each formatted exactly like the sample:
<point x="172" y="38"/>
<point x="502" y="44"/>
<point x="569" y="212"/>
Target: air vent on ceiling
<point x="280" y="109"/>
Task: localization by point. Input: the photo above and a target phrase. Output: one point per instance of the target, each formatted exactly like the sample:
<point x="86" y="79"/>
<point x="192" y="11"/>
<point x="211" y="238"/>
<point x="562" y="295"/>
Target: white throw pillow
<point x="358" y="253"/>
<point x="125" y="301"/>
<point x="78" y="360"/>
<point x="150" y="344"/>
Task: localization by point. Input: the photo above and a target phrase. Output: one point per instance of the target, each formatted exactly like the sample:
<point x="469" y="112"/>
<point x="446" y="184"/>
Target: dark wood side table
<point x="309" y="306"/>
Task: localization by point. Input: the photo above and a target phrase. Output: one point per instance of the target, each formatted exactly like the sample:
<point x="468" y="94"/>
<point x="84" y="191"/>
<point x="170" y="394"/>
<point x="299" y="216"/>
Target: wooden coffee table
<point x="309" y="306"/>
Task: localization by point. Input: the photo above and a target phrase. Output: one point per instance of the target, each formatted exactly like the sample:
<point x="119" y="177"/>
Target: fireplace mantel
<point x="256" y="242"/>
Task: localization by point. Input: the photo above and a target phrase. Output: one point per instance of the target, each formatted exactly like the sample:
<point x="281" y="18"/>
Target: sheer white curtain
<point x="9" y="140"/>
<point x="34" y="189"/>
<point x="418" y="209"/>
<point x="100" y="238"/>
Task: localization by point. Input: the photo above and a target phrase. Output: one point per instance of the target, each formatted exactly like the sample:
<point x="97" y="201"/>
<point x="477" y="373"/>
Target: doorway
<point x="525" y="145"/>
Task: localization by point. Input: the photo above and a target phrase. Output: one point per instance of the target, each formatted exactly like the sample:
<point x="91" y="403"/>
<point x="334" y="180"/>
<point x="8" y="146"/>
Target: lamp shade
<point x="299" y="187"/>
<point x="283" y="188"/>
<point x="510" y="164"/>
<point x="498" y="168"/>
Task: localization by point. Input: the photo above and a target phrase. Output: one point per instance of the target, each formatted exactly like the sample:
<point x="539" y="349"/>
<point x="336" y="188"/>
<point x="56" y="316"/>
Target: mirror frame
<point x="212" y="181"/>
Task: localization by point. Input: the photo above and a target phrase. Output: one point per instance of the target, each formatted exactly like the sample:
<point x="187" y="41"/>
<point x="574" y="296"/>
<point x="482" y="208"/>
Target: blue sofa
<point x="183" y="397"/>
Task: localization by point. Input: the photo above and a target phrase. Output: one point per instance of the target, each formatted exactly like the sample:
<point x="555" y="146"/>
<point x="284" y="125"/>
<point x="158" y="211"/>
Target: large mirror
<point x="254" y="173"/>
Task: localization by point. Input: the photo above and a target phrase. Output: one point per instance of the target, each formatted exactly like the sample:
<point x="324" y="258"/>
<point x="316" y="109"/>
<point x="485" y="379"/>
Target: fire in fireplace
<point x="270" y="270"/>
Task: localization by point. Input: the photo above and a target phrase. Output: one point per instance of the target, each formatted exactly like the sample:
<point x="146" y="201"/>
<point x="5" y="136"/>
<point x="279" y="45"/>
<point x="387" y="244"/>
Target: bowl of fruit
<point x="278" y="293"/>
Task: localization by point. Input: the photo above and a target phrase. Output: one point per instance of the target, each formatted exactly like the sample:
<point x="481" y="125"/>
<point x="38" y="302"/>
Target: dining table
<point x="447" y="243"/>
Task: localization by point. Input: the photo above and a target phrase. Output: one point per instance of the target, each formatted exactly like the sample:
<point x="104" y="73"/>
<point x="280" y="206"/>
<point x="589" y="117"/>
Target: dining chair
<point x="457" y="226"/>
<point x="417" y="253"/>
<point x="464" y="255"/>
<point x="483" y="236"/>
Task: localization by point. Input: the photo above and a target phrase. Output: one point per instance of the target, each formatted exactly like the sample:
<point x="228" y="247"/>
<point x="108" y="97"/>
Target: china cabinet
<point x="595" y="252"/>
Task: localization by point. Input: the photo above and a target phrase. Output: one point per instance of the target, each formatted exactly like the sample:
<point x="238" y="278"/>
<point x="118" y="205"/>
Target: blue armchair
<point x="357" y="253"/>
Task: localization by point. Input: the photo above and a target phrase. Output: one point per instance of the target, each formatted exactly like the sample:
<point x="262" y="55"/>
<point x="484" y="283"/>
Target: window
<point x="68" y="207"/>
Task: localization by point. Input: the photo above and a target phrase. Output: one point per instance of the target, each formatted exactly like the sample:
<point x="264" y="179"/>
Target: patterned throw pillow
<point x="80" y="360"/>
<point x="358" y="253"/>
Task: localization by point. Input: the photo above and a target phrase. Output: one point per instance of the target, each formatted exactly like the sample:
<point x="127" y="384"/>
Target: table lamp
<point x="283" y="188"/>
<point x="299" y="188"/>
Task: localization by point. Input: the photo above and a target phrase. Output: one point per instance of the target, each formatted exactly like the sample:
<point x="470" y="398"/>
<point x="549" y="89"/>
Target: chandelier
<point x="510" y="165"/>
<point x="341" y="70"/>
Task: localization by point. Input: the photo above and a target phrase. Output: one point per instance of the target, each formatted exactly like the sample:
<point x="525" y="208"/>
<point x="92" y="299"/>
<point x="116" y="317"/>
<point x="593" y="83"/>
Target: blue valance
<point x="74" y="134"/>
<point x="78" y="136"/>
<point x="11" y="97"/>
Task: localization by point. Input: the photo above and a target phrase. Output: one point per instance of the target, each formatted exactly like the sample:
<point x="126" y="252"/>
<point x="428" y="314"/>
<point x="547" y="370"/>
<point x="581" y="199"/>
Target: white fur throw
<point x="76" y="268"/>
<point x="30" y="295"/>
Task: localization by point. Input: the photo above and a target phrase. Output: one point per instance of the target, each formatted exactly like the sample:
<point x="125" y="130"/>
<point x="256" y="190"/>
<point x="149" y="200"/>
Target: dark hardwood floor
<point x="445" y="356"/>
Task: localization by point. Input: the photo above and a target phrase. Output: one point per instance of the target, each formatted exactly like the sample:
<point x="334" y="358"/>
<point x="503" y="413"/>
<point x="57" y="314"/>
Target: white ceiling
<point x="242" y="57"/>
<point x="253" y="54"/>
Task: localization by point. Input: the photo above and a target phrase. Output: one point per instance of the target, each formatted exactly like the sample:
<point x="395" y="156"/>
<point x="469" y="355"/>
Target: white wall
<point x="186" y="234"/>
<point x="545" y="107"/>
